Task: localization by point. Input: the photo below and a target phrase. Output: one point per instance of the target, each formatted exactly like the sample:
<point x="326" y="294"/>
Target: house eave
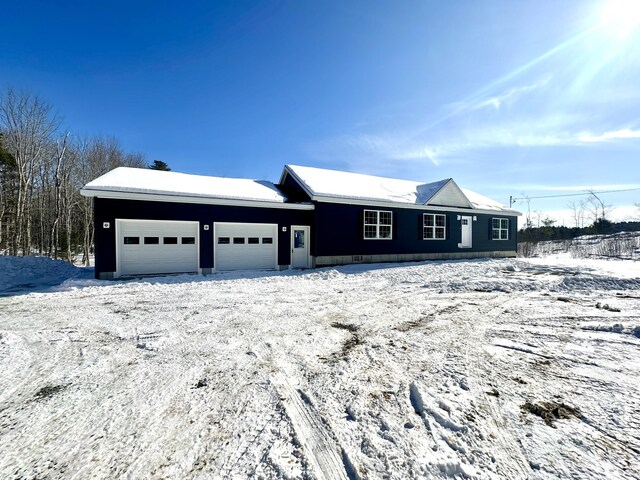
<point x="411" y="206"/>
<point x="164" y="197"/>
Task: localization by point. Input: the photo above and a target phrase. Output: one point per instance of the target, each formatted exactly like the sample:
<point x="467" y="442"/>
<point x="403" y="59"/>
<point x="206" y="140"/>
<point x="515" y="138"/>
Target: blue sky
<point x="507" y="97"/>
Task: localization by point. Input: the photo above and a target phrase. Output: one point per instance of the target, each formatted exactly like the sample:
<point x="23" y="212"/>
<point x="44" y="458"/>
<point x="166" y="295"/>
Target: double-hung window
<point x="500" y="228"/>
<point x="377" y="224"/>
<point x="434" y="226"/>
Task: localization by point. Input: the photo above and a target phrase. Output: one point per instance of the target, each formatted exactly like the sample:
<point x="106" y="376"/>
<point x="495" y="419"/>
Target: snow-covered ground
<point x="468" y="369"/>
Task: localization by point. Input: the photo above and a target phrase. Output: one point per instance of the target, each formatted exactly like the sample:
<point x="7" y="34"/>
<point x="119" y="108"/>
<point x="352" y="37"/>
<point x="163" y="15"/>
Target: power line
<point x="512" y="200"/>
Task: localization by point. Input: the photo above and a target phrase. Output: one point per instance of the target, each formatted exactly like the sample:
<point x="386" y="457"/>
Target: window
<point x="434" y="226"/>
<point x="224" y="240"/>
<point x="188" y="240"/>
<point x="377" y="224"/>
<point x="267" y="240"/>
<point x="500" y="229"/>
<point x="238" y="240"/>
<point x="132" y="240"/>
<point x="151" y="240"/>
<point x="170" y="240"/>
<point x="253" y="240"/>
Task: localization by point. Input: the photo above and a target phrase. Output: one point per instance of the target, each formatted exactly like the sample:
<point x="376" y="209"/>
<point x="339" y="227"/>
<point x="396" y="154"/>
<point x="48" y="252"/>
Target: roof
<point x="320" y="184"/>
<point x="323" y="184"/>
<point x="157" y="182"/>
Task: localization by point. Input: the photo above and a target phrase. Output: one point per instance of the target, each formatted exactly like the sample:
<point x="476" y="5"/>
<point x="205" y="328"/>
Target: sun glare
<point x="621" y="17"/>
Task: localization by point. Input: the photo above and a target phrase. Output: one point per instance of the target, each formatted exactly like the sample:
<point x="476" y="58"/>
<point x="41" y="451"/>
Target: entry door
<point x="299" y="247"/>
<point x="466" y="225"/>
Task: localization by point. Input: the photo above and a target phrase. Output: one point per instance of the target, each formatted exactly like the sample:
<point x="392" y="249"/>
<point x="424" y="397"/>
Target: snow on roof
<point x="142" y="180"/>
<point x="334" y="183"/>
<point x="484" y="203"/>
<point x="331" y="183"/>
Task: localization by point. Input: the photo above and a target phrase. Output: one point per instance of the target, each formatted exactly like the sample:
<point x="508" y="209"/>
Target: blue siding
<point x="339" y="231"/>
<point x="107" y="210"/>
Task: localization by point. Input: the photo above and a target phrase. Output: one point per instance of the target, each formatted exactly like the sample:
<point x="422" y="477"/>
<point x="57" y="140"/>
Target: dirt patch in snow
<point x="48" y="391"/>
<point x="351" y="342"/>
<point x="551" y="411"/>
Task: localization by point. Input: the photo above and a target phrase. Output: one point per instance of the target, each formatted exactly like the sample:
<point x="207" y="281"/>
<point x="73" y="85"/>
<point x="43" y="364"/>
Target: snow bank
<point x="32" y="273"/>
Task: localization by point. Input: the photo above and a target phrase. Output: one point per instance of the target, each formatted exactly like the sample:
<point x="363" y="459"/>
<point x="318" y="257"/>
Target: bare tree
<point x="28" y="124"/>
<point x="528" y="222"/>
<point x="578" y="212"/>
<point x="60" y="184"/>
<point x="539" y="216"/>
<point x="597" y="207"/>
<point x="94" y="157"/>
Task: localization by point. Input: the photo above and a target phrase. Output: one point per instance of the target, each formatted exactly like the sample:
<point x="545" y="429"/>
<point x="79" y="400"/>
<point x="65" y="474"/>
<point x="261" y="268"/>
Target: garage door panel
<point x="147" y="247"/>
<point x="245" y="246"/>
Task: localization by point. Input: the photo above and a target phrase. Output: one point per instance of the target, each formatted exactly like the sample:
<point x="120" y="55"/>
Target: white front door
<point x="299" y="247"/>
<point x="466" y="225"/>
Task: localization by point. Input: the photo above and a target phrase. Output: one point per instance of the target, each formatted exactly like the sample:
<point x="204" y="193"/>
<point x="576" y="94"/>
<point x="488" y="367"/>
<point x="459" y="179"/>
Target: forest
<point x="43" y="165"/>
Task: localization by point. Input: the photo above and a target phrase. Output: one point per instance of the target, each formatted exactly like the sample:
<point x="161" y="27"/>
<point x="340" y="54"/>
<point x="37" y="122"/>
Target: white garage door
<point x="245" y="246"/>
<point x="152" y="246"/>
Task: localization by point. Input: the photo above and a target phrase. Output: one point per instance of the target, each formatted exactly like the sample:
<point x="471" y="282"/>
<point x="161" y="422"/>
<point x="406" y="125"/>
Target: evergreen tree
<point x="159" y="165"/>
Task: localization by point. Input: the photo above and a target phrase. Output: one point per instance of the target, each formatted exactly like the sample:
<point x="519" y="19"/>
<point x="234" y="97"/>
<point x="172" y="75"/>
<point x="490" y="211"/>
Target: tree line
<point x="548" y="231"/>
<point x="42" y="168"/>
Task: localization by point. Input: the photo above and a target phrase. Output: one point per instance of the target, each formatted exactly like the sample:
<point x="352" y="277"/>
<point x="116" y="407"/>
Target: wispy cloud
<point x="575" y="188"/>
<point x="508" y="96"/>
<point x="624" y="133"/>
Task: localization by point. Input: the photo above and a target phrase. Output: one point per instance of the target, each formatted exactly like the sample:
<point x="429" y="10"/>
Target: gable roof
<point x="144" y="183"/>
<point x="327" y="185"/>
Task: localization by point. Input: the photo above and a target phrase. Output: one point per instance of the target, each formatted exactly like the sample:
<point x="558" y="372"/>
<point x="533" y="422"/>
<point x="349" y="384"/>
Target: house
<point x="151" y="221"/>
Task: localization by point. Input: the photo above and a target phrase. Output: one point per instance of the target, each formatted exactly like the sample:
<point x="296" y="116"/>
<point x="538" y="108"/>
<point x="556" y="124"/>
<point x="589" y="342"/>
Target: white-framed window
<point x="434" y="226"/>
<point x="500" y="228"/>
<point x="377" y="224"/>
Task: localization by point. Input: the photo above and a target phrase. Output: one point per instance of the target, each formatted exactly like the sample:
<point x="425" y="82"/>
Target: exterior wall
<point x="339" y="232"/>
<point x="108" y="210"/>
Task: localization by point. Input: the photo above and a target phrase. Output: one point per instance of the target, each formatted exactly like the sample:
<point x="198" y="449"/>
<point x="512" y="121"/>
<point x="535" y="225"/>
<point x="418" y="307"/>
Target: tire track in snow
<point x="323" y="452"/>
<point x="519" y="467"/>
<point x="324" y="455"/>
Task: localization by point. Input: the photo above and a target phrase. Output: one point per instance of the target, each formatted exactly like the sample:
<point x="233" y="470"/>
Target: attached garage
<point x="245" y="246"/>
<point x="155" y="246"/>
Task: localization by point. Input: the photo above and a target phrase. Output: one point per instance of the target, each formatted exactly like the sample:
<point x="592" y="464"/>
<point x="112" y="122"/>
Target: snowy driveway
<point x="434" y="370"/>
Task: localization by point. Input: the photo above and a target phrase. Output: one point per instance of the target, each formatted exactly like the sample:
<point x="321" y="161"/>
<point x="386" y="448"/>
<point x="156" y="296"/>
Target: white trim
<point x="377" y="225"/>
<point x="117" y="273"/>
<point x="412" y="206"/>
<point x="307" y="230"/>
<point x="157" y="197"/>
<point x="434" y="226"/>
<point x="500" y="228"/>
